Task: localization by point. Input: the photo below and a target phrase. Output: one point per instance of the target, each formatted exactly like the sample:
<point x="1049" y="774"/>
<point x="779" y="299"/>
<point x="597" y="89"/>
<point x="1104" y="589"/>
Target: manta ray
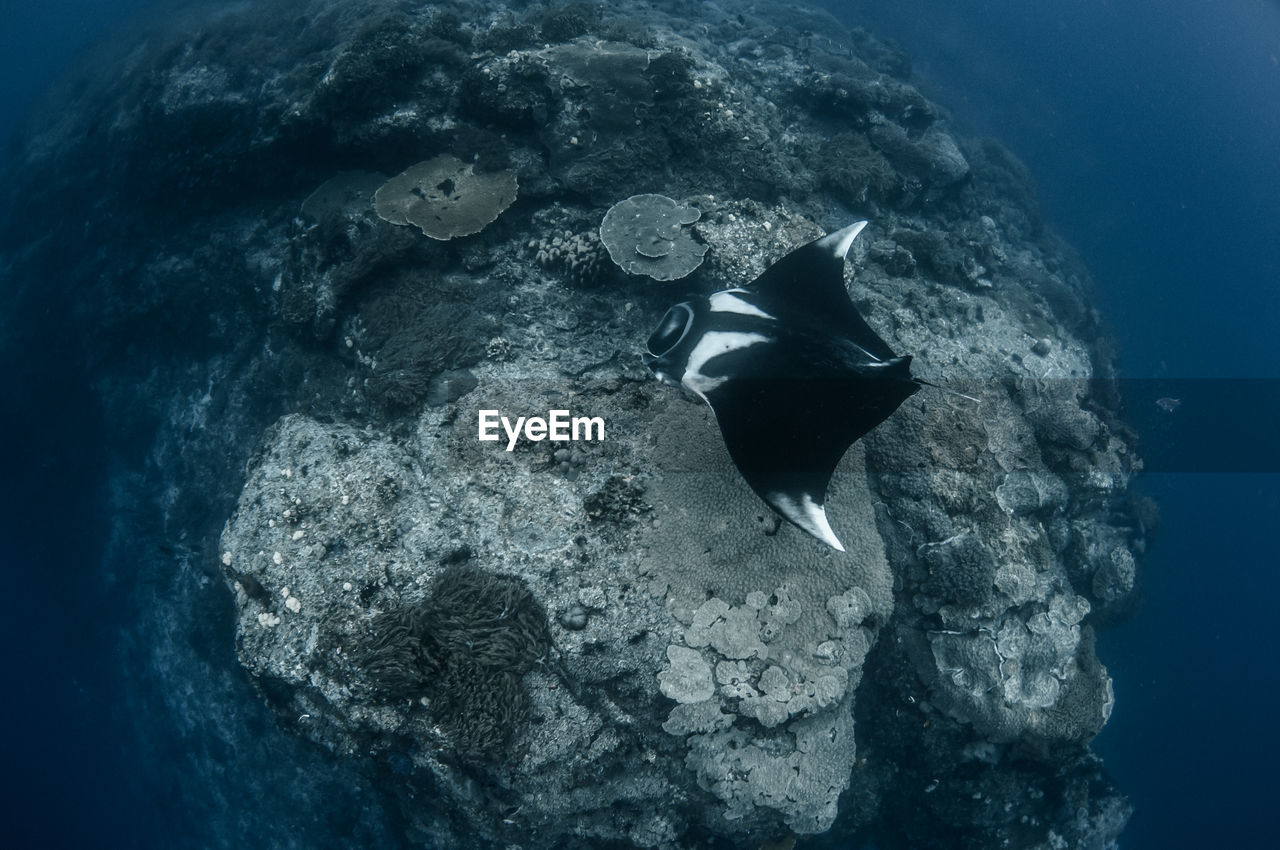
<point x="792" y="371"/>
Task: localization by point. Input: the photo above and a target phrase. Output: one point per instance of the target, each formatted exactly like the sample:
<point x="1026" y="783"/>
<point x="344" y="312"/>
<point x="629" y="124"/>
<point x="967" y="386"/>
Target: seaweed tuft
<point x="465" y="648"/>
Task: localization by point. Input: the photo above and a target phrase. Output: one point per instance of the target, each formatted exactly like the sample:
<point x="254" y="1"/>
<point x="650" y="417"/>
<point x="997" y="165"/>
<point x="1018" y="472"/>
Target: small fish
<point x="1168" y="405"/>
<point x="792" y="371"/>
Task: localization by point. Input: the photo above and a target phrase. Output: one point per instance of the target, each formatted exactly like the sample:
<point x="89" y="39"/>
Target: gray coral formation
<point x="648" y="234"/>
<point x="580" y="257"/>
<point x="654" y="659"/>
<point x="742" y="709"/>
<point x="775" y="630"/>
<point x="996" y="627"/>
<point x="339" y="528"/>
<point x="445" y="197"/>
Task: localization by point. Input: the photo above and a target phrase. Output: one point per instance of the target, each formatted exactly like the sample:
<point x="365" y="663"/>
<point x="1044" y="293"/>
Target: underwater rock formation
<point x="660" y="661"/>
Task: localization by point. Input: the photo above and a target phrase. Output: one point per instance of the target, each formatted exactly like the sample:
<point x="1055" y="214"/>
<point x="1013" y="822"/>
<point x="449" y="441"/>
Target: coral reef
<point x="649" y="235"/>
<point x="463" y="649"/>
<point x="592" y="643"/>
<point x="445" y="197"/>
<point x="411" y="330"/>
<point x="346" y="248"/>
<point x="579" y="257"/>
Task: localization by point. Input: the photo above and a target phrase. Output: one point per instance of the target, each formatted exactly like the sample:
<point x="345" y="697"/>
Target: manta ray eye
<point x="671" y="330"/>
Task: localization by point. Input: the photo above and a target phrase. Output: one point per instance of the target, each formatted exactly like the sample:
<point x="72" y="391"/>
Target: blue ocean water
<point x="73" y="774"/>
<point x="1150" y="128"/>
<point x="73" y="767"/>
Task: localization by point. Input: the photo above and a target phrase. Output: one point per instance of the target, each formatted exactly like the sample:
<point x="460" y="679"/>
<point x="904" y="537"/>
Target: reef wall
<point x="570" y="644"/>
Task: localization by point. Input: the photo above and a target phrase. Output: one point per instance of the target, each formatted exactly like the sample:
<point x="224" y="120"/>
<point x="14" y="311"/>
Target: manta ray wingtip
<point x="807" y="515"/>
<point x="825" y="534"/>
<point x="822" y="531"/>
<point x="840" y="241"/>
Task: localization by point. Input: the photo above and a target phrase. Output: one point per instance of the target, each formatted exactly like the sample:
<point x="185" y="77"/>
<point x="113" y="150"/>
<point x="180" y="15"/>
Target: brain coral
<point x="445" y="197"/>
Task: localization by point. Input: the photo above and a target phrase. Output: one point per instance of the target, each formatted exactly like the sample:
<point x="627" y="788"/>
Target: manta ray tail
<point x="925" y="383"/>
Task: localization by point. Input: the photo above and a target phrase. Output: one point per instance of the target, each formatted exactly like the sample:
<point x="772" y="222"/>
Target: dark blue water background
<point x="1151" y="127"/>
<point x="72" y="779"/>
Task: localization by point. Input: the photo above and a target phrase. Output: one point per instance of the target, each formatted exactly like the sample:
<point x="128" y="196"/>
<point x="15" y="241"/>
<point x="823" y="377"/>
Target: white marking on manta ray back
<point x="807" y="514"/>
<point x="728" y="301"/>
<point x="713" y="344"/>
<point x="839" y="242"/>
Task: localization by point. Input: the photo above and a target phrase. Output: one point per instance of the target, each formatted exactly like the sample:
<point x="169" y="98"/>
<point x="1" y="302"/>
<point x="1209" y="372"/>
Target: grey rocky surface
<point x="280" y="358"/>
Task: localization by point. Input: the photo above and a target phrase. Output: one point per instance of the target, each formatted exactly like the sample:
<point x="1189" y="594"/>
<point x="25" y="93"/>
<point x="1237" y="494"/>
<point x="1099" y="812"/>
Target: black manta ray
<point x="792" y="371"/>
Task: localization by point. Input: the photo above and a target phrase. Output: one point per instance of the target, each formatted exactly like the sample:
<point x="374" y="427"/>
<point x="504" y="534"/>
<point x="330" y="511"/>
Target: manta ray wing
<point x="787" y="434"/>
<point x="810" y="280"/>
